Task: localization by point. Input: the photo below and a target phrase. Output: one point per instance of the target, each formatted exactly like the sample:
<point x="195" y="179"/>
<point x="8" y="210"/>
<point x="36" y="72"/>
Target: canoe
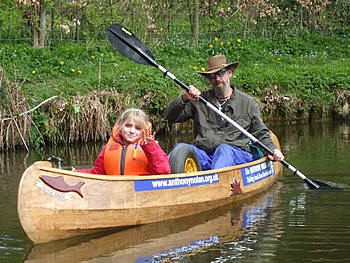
<point x="165" y="241"/>
<point x="56" y="203"/>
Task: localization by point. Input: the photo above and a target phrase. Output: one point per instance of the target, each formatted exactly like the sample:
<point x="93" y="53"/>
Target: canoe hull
<point x="55" y="203"/>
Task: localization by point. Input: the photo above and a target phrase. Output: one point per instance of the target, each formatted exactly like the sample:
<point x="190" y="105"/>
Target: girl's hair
<point x="132" y="113"/>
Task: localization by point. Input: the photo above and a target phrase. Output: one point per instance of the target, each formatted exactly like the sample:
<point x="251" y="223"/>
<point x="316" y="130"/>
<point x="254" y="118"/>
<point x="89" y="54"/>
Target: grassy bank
<point x="291" y="78"/>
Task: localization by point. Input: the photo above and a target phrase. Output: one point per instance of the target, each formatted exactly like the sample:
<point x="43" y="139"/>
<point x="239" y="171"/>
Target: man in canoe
<point x="217" y="143"/>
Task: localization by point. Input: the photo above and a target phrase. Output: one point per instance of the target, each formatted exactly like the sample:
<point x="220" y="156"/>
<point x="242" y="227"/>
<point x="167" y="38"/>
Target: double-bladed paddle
<point x="133" y="48"/>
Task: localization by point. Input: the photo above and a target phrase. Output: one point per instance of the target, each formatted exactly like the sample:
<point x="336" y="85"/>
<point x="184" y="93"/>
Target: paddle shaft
<point x="254" y="140"/>
<point x="237" y="126"/>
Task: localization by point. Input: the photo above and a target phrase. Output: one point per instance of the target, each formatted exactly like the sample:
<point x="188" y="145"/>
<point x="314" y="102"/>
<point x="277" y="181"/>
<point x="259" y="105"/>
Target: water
<point x="288" y="223"/>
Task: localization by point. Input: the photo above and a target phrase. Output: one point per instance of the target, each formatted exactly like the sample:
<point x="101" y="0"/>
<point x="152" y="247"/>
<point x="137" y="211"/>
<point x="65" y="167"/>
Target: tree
<point x="36" y="18"/>
<point x="42" y="23"/>
<point x="193" y="9"/>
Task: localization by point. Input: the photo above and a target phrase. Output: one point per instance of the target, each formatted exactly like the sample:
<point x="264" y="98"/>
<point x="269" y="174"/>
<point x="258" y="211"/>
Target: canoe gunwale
<point x="142" y="177"/>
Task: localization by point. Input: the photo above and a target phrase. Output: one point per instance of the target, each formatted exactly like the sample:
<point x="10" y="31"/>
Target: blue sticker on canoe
<point x="257" y="172"/>
<point x="161" y="184"/>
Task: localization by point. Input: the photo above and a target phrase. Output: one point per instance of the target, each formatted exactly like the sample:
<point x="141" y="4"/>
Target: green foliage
<point x="10" y="14"/>
<point x="286" y="46"/>
<point x="155" y="20"/>
<point x="309" y="69"/>
<point x="35" y="137"/>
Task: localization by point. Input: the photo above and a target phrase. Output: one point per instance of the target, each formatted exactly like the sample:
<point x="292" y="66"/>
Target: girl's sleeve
<point x="158" y="161"/>
<point x="98" y="167"/>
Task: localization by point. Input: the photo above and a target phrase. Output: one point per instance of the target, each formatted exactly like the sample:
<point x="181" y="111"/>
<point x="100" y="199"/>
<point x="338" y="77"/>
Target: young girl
<point x="131" y="150"/>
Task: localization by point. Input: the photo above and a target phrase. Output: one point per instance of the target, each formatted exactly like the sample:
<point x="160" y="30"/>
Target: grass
<point x="308" y="72"/>
<point x="71" y="69"/>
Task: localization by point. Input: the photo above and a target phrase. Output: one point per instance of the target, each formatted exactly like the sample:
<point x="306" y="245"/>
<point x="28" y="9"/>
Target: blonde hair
<point x="135" y="114"/>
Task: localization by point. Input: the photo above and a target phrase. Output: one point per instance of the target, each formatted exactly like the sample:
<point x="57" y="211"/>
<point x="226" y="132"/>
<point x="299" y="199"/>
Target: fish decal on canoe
<point x="59" y="184"/>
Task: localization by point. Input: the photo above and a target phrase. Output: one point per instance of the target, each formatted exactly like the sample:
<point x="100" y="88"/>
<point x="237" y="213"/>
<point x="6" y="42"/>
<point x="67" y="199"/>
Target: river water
<point x="287" y="223"/>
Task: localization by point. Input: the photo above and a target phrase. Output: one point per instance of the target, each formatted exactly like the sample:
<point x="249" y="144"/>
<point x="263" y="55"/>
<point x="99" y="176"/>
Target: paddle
<point x="133" y="48"/>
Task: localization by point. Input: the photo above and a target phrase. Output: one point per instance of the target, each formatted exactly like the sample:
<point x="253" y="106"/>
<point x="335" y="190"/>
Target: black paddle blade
<point x="322" y="186"/>
<point x="128" y="44"/>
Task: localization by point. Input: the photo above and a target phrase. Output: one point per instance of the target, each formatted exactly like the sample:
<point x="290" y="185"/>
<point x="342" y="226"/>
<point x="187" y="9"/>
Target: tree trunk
<point x="194" y="18"/>
<point x="34" y="21"/>
<point x="111" y="7"/>
<point x="190" y="14"/>
<point x="42" y="22"/>
<point x="77" y="28"/>
<point x="53" y="34"/>
<point x="196" y="22"/>
<point x="8" y="32"/>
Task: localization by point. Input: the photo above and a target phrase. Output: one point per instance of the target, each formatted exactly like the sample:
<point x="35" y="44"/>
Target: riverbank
<point x="88" y="84"/>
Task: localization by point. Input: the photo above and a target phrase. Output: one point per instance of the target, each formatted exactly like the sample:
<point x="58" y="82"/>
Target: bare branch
<point x="26" y="112"/>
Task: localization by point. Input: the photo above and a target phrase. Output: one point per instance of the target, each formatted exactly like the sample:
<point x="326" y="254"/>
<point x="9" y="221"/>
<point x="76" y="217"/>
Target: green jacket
<point x="210" y="130"/>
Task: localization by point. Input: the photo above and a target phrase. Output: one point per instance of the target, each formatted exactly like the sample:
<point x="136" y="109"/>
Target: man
<point x="217" y="143"/>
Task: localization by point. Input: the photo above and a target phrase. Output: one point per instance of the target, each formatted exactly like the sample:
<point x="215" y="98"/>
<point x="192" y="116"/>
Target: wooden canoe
<point x="167" y="240"/>
<point x="55" y="203"/>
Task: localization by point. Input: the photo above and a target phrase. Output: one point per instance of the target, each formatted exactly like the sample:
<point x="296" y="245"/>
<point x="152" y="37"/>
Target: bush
<point x="311" y="69"/>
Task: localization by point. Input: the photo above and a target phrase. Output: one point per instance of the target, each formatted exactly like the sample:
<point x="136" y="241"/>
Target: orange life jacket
<point x="120" y="159"/>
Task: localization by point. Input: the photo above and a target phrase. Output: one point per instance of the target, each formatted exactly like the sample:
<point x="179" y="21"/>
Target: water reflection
<point x="164" y="241"/>
<point x="294" y="225"/>
<point x="13" y="243"/>
<point x="320" y="150"/>
<point x="296" y="211"/>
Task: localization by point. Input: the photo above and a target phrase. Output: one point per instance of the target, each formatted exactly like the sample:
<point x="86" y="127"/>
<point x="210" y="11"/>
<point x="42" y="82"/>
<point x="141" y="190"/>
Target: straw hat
<point x="217" y="63"/>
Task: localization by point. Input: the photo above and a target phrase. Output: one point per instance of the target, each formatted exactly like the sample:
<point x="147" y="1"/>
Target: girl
<point x="132" y="149"/>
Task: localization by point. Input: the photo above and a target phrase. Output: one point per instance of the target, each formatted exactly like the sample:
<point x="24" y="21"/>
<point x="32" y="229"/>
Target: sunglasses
<point x="221" y="73"/>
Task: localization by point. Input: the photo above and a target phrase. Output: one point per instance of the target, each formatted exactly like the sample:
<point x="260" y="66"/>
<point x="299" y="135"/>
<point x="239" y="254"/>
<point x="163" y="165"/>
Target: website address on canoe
<point x="161" y="184"/>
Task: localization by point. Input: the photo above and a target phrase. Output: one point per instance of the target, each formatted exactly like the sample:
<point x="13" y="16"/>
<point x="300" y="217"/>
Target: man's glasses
<point x="221" y="73"/>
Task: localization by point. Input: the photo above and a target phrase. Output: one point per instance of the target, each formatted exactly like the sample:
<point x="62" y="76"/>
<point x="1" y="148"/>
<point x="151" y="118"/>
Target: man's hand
<point x="192" y="94"/>
<point x="277" y="155"/>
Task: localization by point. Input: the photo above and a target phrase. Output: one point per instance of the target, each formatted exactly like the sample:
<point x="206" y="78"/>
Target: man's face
<point x="220" y="81"/>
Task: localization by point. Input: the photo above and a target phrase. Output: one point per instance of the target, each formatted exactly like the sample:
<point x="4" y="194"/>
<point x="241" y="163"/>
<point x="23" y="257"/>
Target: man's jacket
<point x="210" y="130"/>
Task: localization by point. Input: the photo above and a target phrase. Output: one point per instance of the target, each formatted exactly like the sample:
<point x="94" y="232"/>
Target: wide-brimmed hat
<point x="217" y="63"/>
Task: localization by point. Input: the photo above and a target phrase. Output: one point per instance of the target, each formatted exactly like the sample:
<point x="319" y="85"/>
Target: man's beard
<point x="220" y="90"/>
